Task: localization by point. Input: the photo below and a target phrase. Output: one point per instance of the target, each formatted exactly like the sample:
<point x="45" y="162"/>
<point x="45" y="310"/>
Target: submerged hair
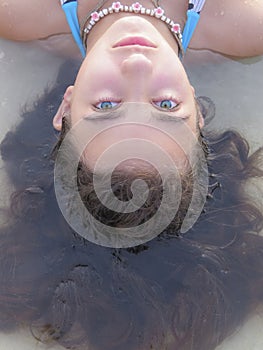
<point x="186" y="292"/>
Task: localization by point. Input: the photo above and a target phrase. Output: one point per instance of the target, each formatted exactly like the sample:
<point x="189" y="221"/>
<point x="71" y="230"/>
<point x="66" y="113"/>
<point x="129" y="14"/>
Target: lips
<point x="135" y="40"/>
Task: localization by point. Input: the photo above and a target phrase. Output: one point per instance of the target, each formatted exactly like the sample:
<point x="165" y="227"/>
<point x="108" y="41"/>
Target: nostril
<point x="137" y="63"/>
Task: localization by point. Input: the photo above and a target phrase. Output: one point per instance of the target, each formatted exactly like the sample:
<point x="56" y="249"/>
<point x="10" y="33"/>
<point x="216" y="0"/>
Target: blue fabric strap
<point x="189" y="28"/>
<point x="70" y="8"/>
<point x="71" y="11"/>
<point x="193" y="16"/>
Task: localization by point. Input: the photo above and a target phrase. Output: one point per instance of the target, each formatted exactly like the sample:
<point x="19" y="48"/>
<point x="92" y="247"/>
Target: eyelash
<point x="167" y="98"/>
<point x="160" y="99"/>
<point x="106" y="99"/>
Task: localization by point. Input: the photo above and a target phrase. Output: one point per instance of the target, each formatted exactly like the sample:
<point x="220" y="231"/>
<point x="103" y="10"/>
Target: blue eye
<point x="166" y="104"/>
<point x="106" y="105"/>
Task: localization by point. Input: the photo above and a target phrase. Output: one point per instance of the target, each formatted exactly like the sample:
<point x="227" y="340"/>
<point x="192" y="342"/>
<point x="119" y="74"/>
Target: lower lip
<point x="130" y="41"/>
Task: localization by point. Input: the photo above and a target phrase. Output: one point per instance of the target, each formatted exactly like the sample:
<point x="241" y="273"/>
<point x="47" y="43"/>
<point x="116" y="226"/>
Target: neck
<point x="95" y="28"/>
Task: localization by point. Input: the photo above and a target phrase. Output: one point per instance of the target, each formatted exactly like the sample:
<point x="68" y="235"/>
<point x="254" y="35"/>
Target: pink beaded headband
<point x="134" y="8"/>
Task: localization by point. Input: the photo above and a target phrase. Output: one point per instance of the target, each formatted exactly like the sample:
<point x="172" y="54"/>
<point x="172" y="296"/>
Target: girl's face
<point x="120" y="71"/>
<point x="132" y="62"/>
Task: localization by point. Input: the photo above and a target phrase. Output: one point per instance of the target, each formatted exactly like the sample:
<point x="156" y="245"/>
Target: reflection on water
<point x="182" y="291"/>
<point x="25" y="72"/>
<point x="235" y="87"/>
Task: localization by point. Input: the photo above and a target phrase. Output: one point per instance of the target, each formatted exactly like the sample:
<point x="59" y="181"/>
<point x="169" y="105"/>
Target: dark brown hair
<point x="186" y="292"/>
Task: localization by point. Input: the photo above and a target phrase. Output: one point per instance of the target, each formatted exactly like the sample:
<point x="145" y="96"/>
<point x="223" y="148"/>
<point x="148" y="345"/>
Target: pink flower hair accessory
<point x="116" y="6"/>
<point x="176" y="28"/>
<point x="136" y="7"/>
<point x="159" y="12"/>
<point x="95" y="16"/>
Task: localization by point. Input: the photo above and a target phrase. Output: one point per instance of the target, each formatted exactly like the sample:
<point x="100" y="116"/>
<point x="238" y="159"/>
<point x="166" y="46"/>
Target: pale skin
<point x="137" y="73"/>
<point x="133" y="73"/>
<point x="231" y="27"/>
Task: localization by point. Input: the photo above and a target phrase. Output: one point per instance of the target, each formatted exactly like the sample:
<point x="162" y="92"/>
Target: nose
<point x="137" y="69"/>
<point x="136" y="64"/>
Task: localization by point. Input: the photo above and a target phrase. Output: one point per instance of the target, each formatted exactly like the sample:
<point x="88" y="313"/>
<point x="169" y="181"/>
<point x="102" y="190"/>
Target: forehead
<point x="136" y="121"/>
<point x="138" y="112"/>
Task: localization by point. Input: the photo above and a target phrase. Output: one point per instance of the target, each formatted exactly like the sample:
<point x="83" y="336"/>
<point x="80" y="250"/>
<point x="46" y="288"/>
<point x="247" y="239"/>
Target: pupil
<point x="166" y="104"/>
<point x="106" y="105"/>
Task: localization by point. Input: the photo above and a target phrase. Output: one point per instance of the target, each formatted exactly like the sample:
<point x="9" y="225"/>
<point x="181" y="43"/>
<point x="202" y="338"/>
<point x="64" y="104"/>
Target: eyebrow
<point x="114" y="114"/>
<point x="168" y="117"/>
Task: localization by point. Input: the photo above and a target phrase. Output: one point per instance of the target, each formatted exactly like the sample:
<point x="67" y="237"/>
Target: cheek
<point x="90" y="88"/>
<point x="171" y="77"/>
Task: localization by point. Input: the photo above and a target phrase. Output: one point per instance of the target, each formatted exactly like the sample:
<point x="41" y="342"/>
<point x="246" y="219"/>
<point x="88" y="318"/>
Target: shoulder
<point x="249" y="336"/>
<point x="30" y="19"/>
<point x="231" y="27"/>
<point x="23" y="339"/>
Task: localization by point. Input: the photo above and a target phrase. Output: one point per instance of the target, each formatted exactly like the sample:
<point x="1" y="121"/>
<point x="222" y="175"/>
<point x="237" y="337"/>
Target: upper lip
<point x="134" y="40"/>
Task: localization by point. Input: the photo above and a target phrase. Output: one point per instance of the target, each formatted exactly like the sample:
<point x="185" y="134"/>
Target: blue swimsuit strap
<point x="193" y="16"/>
<point x="70" y="7"/>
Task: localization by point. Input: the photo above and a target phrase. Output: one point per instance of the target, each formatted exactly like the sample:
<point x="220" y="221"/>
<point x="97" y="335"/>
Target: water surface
<point x="236" y="87"/>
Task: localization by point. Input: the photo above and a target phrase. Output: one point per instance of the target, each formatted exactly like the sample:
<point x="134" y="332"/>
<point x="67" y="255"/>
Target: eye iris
<point x="167" y="104"/>
<point x="106" y="105"/>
